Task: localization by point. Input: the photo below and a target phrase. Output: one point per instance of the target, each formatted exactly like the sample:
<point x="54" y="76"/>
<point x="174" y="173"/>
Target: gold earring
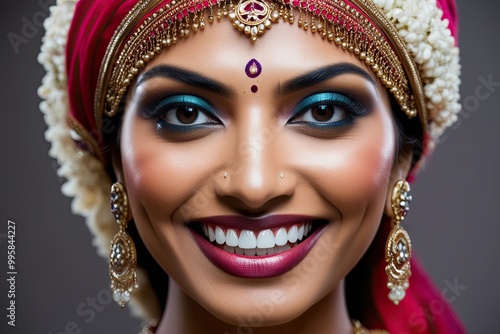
<point x="123" y="256"/>
<point x="398" y="246"/>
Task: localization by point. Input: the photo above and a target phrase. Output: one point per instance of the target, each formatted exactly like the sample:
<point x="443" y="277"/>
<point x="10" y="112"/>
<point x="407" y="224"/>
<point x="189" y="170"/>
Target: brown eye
<point x="182" y="113"/>
<point x="322" y="113"/>
<point x="327" y="110"/>
<point x="186" y="114"/>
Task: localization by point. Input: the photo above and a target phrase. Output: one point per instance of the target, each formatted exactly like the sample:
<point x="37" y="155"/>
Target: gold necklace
<point x="357" y="328"/>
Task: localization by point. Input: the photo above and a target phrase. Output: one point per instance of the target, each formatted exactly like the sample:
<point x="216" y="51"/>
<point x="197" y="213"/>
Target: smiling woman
<point x="256" y="178"/>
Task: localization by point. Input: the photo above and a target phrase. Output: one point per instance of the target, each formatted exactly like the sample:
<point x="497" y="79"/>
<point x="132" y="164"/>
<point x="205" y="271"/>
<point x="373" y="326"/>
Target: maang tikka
<point x="398" y="247"/>
<point x="123" y="256"/>
<point x="253" y="17"/>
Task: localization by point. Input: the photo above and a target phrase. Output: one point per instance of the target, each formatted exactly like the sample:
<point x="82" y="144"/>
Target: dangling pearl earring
<point x="123" y="256"/>
<point x="398" y="246"/>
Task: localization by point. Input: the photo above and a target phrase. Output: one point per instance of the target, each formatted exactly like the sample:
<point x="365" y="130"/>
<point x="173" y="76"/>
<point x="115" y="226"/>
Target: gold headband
<point x="359" y="28"/>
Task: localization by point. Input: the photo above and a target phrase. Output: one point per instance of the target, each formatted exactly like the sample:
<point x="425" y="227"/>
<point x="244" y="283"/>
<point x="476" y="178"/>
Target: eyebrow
<point x="188" y="77"/>
<point x="320" y="75"/>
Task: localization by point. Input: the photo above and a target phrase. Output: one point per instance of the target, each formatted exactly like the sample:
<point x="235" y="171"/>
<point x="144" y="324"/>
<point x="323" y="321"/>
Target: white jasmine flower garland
<point x="429" y="40"/>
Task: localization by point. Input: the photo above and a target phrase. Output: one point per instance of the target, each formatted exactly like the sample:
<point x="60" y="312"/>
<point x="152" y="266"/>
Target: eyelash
<point x="335" y="101"/>
<point x="170" y="105"/>
<point x="350" y="106"/>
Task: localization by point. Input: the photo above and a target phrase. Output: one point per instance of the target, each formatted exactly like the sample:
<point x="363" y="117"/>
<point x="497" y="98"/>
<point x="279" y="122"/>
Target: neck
<point x="184" y="315"/>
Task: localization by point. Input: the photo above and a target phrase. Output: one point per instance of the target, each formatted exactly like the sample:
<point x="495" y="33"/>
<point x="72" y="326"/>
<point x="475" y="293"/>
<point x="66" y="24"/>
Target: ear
<point x="400" y="170"/>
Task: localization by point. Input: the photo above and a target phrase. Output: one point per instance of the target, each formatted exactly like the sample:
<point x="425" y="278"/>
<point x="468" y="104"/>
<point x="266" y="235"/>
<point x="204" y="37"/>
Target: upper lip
<point x="246" y="223"/>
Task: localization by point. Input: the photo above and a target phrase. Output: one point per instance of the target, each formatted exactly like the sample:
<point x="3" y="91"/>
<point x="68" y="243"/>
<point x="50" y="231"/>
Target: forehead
<point x="283" y="51"/>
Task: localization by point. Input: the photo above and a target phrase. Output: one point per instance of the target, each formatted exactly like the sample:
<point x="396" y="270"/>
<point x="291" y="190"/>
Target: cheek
<point x="160" y="177"/>
<point x="367" y="166"/>
<point x="353" y="178"/>
<point x="358" y="167"/>
<point x="367" y="169"/>
<point x="163" y="175"/>
<point x="352" y="172"/>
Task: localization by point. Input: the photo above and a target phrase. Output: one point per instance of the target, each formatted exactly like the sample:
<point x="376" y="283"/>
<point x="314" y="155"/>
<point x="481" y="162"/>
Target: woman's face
<point x="255" y="144"/>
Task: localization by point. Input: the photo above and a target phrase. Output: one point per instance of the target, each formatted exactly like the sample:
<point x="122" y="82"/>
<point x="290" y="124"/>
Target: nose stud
<point x="281" y="175"/>
<point x="225" y="175"/>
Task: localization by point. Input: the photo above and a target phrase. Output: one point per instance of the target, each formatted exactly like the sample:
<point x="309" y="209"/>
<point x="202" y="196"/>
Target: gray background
<point x="454" y="220"/>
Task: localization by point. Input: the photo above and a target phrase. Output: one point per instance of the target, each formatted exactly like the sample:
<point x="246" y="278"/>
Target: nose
<point x="257" y="177"/>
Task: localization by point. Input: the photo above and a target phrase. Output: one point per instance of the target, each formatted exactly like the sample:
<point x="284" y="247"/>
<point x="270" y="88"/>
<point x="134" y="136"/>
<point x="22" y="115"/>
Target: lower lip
<point x="257" y="266"/>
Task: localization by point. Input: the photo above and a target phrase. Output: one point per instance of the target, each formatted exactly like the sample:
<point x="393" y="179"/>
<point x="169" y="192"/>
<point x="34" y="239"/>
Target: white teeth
<point x="220" y="237"/>
<point x="281" y="237"/>
<point x="300" y="232"/>
<point x="231" y="238"/>
<point x="211" y="234"/>
<point x="292" y="234"/>
<point x="265" y="239"/>
<point x="247" y="239"/>
<point x="266" y="242"/>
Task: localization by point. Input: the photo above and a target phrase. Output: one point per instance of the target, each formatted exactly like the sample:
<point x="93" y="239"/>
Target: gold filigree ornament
<point x="123" y="256"/>
<point x="253" y="17"/>
<point x="398" y="247"/>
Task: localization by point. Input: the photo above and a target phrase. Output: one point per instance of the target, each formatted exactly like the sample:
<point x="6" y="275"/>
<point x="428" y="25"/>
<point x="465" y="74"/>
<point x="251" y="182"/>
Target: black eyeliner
<point x="351" y="106"/>
<point x="159" y="107"/>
